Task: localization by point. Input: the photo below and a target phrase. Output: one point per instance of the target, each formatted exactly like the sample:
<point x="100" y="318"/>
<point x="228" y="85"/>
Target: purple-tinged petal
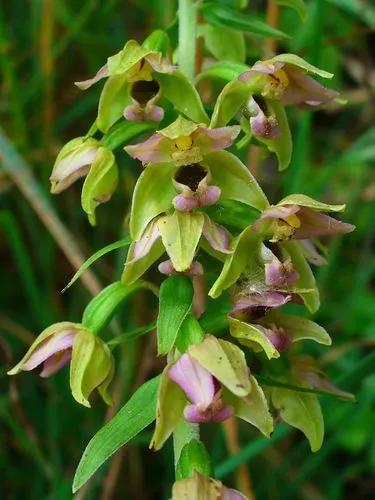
<point x="59" y="342"/>
<point x="71" y="168"/>
<point x="231" y="494"/>
<point x="311" y="253"/>
<point x="279" y="338"/>
<point x="166" y="267"/>
<point x="261" y="125"/>
<point x="134" y="113"/>
<point x="184" y="203"/>
<point x="280" y="273"/>
<point x="197" y="382"/>
<point x="102" y="73"/>
<point x="153" y="113"/>
<point x="317" y="224"/>
<point x="160" y="65"/>
<point x="266" y="300"/>
<point x="143" y="246"/>
<point x="303" y="89"/>
<point x="54" y="363"/>
<point x="193" y="414"/>
<point x="208" y="140"/>
<point x="217" y="236"/>
<point x="156" y="149"/>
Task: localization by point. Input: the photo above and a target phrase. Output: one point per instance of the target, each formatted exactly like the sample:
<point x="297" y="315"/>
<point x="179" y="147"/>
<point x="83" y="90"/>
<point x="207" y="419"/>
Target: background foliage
<point x="45" y="45"/>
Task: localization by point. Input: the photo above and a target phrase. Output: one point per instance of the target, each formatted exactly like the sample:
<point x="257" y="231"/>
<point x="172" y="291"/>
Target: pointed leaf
<point x="133" y="417"/>
<point x="183" y="95"/>
<point x="225" y="361"/>
<point x="180" y="233"/>
<point x="224" y="44"/>
<point x="176" y="297"/>
<point x="252" y="336"/>
<point x="226" y="71"/>
<point x="189" y="333"/>
<point x="123" y="132"/>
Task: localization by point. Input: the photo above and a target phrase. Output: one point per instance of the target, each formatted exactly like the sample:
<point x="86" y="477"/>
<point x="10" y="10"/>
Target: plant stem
<point x="187" y="15"/>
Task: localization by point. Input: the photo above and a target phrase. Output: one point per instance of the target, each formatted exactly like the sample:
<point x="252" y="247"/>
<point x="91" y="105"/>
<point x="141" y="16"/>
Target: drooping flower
<point x="178" y="234"/>
<point x="91" y="367"/>
<point x="200" y="487"/>
<point x="202" y="390"/>
<point x="285" y="78"/>
<point x="82" y="157"/>
<point x="183" y="142"/>
<point x="300" y="217"/>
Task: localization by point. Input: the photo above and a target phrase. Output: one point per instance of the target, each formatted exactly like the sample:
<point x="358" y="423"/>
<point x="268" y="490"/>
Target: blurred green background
<point x="45" y="45"/>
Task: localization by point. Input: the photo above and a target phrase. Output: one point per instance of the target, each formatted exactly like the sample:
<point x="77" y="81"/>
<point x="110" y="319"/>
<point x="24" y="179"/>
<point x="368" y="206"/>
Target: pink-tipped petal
<point x="280" y="273"/>
<point x="193" y="414"/>
<point x="197" y="382"/>
<point x="151" y="150"/>
<point x="59" y="342"/>
<point x="185" y="203"/>
<point x="209" y="140"/>
<point x="209" y="196"/>
<point x="317" y="224"/>
<point x="154" y="113"/>
<point x="279" y="338"/>
<point x="54" y="363"/>
<point x="134" y="113"/>
<point x="231" y="494"/>
<point x="143" y="246"/>
<point x="311" y="253"/>
<point x="217" y="236"/>
<point x="102" y="73"/>
<point x="303" y="89"/>
<point x="266" y="300"/>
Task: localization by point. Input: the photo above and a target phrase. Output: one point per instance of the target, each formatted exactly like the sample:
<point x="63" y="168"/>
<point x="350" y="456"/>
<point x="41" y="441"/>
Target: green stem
<point x="187" y="15"/>
<point x="183" y="434"/>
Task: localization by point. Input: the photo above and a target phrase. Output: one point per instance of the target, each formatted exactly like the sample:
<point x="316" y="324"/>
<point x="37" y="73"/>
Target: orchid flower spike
<point x="300" y="217"/>
<point x="199" y="487"/>
<point x="285" y="78"/>
<point x="91" y="367"/>
<point x="183" y="143"/>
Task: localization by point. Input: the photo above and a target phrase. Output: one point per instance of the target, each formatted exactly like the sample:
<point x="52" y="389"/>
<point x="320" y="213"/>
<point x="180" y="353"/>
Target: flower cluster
<point x="262" y="264"/>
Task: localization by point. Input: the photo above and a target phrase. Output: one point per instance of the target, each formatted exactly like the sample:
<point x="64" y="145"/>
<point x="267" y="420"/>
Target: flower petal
<point x="317" y="224"/>
<point x="102" y="73"/>
<point x="58" y="342"/>
<point x="55" y="362"/>
<point x="217" y="236"/>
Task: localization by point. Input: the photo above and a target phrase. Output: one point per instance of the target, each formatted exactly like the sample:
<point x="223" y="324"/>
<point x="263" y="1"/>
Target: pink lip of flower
<point x="166" y="267"/>
<point x="260" y="124"/>
<point x="280" y="273"/>
<point x="54" y="353"/>
<point x="200" y="388"/>
<point x="144" y="95"/>
<point x="257" y="304"/>
<point x="279" y="338"/>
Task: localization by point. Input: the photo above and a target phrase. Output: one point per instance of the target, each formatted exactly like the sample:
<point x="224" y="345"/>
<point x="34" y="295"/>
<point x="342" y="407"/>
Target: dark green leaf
<point x="176" y="297"/>
<point x="121" y="133"/>
<point x="193" y="457"/>
<point x="133" y="417"/>
<point x="189" y="333"/>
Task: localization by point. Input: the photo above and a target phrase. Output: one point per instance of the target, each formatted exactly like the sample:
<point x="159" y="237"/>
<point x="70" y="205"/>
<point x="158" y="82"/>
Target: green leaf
<point x="253" y="408"/>
<point x="133" y="417"/>
<point x="100" y="182"/>
<point x="298" y="5"/>
<point x="233" y="213"/>
<point x="246" y="249"/>
<point x="252" y="336"/>
<point x="306" y="282"/>
<point x="121" y="133"/>
<point x="183" y="95"/>
<point x="189" y="333"/>
<point x="193" y="457"/>
<point x="132" y="334"/>
<point x="113" y="100"/>
<point x="231" y="99"/>
<point x="225" y="361"/>
<point x="176" y="298"/>
<point x="223" y="70"/>
<point x="301" y="410"/>
<point x="299" y="328"/>
<point x="171" y="402"/>
<point x="235" y="180"/>
<point x="282" y="145"/>
<point x="157" y="41"/>
<point x="225" y="17"/>
<point x="101" y="309"/>
<point x="224" y="44"/>
<point x="180" y="233"/>
<point x="153" y="194"/>
<point x="109" y="248"/>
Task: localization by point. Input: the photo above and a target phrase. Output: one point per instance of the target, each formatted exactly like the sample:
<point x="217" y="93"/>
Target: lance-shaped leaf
<point x="253" y="408"/>
<point x="193" y="457"/>
<point x="123" y="132"/>
<point x="300" y="410"/>
<point x="299" y="328"/>
<point x="100" y="182"/>
<point x="235" y="180"/>
<point x="225" y="361"/>
<point x="246" y="252"/>
<point x="282" y="145"/>
<point x="306" y="282"/>
<point x="222" y="70"/>
<point x="176" y="297"/>
<point x="133" y="417"/>
<point x="180" y="233"/>
<point x="171" y="402"/>
<point x="90" y="365"/>
<point x="157" y="41"/>
<point x="113" y="100"/>
<point x="183" y="95"/>
<point x="153" y="194"/>
<point x="103" y="306"/>
<point x="233" y="96"/>
<point x="253" y="336"/>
